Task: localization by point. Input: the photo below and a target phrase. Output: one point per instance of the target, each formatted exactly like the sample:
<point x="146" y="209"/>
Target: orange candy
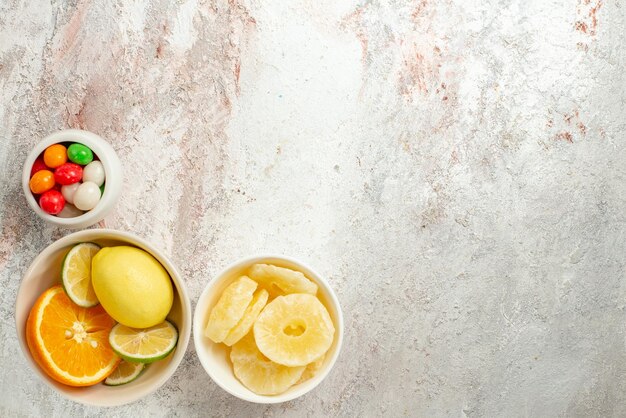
<point x="55" y="155"/>
<point x="41" y="181"/>
<point x="70" y="343"/>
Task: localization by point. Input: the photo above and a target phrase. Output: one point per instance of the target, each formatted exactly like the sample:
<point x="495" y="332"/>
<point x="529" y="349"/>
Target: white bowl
<point x="45" y="271"/>
<point x="112" y="171"/>
<point x="215" y="357"/>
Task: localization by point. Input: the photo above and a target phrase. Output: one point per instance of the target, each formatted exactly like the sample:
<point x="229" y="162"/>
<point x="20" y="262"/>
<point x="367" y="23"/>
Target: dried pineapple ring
<point x="257" y="372"/>
<point x="294" y="330"/>
<point x="312" y="369"/>
<point x="252" y="312"/>
<point x="281" y="281"/>
<point x="230" y="308"/>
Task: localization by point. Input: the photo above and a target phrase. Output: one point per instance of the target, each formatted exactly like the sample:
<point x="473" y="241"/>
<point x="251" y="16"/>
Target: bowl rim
<point x="112" y="170"/>
<point x="184" y="328"/>
<point x="198" y="334"/>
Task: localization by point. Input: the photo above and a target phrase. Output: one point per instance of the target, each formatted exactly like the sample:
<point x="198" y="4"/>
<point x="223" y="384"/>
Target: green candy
<point x="79" y="154"/>
<point x="102" y="189"/>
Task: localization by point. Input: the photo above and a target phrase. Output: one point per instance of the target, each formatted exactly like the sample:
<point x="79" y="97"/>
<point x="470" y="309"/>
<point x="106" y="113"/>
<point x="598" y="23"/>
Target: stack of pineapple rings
<point x="278" y="344"/>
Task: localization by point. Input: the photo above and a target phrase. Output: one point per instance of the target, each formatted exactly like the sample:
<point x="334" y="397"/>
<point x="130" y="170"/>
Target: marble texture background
<point x="456" y="168"/>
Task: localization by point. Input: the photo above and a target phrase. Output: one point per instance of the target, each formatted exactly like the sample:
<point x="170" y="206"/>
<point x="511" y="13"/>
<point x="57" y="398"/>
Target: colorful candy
<point x="69" y="211"/>
<point x="52" y="202"/>
<point x="80" y="154"/>
<point x="55" y="155"/>
<point x="68" y="192"/>
<point x="65" y="188"/>
<point x="68" y="173"/>
<point x="94" y="171"/>
<point x="41" y="181"/>
<point x="38" y="165"/>
<point x="87" y="196"/>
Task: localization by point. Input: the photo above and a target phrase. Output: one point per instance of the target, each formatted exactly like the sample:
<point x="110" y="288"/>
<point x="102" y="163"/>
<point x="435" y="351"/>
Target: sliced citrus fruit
<point x="281" y="281"/>
<point x="76" y="274"/>
<point x="70" y="343"/>
<point x="257" y="372"/>
<point x="294" y="330"/>
<point x="144" y="345"/>
<point x="230" y="308"/>
<point x="252" y="312"/>
<point x="125" y="372"/>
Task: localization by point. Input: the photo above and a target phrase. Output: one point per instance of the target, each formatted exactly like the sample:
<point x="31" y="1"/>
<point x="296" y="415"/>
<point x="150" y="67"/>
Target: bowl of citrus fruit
<point x="268" y="329"/>
<point x="103" y="317"/>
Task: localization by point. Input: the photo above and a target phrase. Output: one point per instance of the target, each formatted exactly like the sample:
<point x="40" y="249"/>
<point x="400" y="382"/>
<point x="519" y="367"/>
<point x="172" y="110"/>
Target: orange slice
<point x="70" y="343"/>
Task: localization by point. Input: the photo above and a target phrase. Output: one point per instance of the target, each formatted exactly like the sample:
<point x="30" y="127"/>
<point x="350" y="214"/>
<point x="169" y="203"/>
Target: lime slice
<point x="143" y="345"/>
<point x="125" y="372"/>
<point x="76" y="274"/>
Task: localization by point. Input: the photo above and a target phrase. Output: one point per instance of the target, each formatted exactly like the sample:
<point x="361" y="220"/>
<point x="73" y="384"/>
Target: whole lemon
<point x="132" y="286"/>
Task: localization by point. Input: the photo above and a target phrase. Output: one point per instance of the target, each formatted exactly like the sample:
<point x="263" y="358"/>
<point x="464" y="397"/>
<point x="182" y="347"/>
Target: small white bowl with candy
<point x="72" y="178"/>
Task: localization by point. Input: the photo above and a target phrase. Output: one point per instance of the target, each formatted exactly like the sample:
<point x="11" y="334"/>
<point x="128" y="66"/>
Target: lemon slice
<point x="143" y="345"/>
<point x="76" y="274"/>
<point x="125" y="372"/>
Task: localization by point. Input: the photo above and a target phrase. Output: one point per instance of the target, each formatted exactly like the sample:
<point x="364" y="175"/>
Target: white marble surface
<point x="456" y="168"/>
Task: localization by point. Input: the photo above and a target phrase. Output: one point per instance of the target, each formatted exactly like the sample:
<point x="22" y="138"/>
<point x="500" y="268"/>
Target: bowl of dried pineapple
<point x="268" y="329"/>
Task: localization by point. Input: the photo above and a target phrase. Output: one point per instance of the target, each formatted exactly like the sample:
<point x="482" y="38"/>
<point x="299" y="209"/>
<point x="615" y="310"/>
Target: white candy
<point x="94" y="171"/>
<point x="69" y="211"/>
<point x="68" y="192"/>
<point x="87" y="196"/>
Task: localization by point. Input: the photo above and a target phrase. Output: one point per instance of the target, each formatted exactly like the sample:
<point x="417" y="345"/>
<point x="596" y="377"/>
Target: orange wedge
<point x="70" y="343"/>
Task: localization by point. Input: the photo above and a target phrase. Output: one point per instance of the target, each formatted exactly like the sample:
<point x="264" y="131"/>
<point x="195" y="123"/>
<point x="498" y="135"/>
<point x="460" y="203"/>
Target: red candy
<point x="68" y="173"/>
<point x="52" y="202"/>
<point x="38" y="165"/>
